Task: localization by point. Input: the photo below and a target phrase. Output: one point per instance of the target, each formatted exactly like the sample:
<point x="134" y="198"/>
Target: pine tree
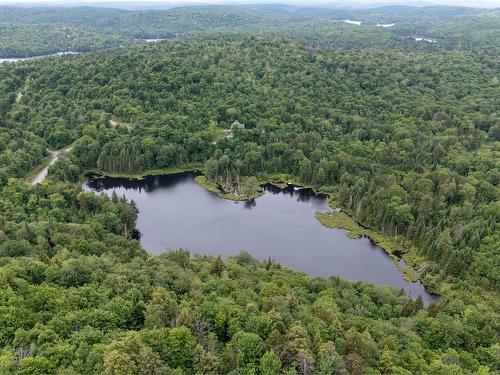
<point x="217" y="266"/>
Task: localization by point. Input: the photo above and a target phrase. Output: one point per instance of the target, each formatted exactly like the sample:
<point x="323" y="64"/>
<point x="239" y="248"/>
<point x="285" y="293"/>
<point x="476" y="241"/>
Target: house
<point x="237" y="125"/>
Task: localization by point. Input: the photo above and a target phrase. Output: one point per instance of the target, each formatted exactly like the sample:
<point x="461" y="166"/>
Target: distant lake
<point x="424" y="39"/>
<point x="351" y="22"/>
<point x="15" y="59"/>
<point x="154" y="40"/>
<point x="385" y="24"/>
<point x="175" y="212"/>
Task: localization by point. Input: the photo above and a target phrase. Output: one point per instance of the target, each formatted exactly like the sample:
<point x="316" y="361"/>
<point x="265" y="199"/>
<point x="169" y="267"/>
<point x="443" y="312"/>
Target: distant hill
<point x="31" y="31"/>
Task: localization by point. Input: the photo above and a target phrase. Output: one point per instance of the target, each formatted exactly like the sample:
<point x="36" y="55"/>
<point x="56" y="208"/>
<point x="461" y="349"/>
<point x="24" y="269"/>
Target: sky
<point x="353" y="3"/>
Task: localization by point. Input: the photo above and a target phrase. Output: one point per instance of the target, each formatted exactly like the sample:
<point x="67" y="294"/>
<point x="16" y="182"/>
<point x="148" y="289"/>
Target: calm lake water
<point x="174" y="212"/>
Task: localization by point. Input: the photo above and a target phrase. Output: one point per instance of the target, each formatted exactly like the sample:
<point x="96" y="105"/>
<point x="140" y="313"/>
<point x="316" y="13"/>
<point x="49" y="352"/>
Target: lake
<point x="351" y="22"/>
<point x="15" y="59"/>
<point x="154" y="40"/>
<point x="428" y="40"/>
<point x="385" y="24"/>
<point x="175" y="212"/>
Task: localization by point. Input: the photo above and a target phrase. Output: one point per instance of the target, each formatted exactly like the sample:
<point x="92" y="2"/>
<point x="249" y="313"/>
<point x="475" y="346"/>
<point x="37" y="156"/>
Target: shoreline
<point x="140" y="176"/>
<point x="344" y="221"/>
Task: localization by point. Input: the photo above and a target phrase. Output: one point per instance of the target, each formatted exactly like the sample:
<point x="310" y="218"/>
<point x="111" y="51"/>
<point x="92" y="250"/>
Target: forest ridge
<point x="26" y="31"/>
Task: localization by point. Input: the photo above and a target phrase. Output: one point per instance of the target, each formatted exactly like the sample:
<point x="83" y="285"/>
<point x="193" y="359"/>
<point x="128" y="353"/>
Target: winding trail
<point x="268" y="66"/>
<point x="54" y="155"/>
<point x="20" y="94"/>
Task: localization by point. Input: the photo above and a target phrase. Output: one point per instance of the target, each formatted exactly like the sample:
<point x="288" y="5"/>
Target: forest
<point x="26" y="31"/>
<point x="404" y="138"/>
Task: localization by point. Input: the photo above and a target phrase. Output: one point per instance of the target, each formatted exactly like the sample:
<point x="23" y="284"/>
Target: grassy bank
<point x="342" y="220"/>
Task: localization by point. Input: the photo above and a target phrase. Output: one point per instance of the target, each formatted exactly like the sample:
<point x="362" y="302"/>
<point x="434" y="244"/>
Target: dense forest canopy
<point x="28" y="32"/>
<point x="403" y="135"/>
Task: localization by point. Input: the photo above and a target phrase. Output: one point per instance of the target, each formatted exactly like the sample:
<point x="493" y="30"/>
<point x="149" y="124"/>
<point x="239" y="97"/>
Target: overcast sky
<point x="472" y="3"/>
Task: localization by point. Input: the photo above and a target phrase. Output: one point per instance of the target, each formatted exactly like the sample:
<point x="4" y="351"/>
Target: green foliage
<point x="65" y="169"/>
<point x="40" y="31"/>
<point x="248" y="348"/>
<point x="130" y="356"/>
<point x="405" y="141"/>
<point x="99" y="311"/>
<point x="162" y="310"/>
<point x="270" y="364"/>
<point x="402" y="140"/>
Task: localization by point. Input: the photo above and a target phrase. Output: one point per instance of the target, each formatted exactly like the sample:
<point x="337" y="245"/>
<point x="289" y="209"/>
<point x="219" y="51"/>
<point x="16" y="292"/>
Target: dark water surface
<point x="174" y="212"/>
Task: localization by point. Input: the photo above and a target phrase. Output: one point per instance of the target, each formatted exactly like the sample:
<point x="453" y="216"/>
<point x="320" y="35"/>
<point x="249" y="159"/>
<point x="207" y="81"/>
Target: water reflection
<point x="174" y="212"/>
<point x="249" y="204"/>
